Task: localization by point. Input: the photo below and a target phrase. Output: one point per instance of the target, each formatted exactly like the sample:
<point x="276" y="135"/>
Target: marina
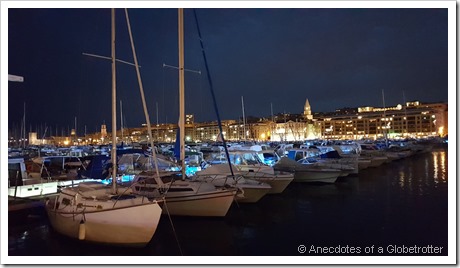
<point x="196" y="180"/>
<point x="402" y="203"/>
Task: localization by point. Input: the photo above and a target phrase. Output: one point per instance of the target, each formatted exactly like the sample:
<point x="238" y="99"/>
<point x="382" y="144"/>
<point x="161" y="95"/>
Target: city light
<point x="441" y="131"/>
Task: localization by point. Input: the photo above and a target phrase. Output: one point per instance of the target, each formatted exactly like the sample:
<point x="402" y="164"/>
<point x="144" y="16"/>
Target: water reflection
<point x="436" y="168"/>
<point x="440" y="166"/>
<point x="402" y="178"/>
<point x="419" y="174"/>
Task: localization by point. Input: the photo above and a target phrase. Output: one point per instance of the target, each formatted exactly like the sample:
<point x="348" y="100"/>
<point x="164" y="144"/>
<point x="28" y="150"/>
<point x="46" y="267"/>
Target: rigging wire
<point x="170" y="219"/>
<point x="158" y="178"/>
<point x="144" y="104"/>
<point x="212" y="93"/>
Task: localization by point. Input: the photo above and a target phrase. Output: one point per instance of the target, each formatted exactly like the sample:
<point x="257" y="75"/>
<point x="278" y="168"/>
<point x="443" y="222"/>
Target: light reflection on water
<point x="440" y="166"/>
<point x="402" y="178"/>
<point x="423" y="173"/>
<point x="436" y="168"/>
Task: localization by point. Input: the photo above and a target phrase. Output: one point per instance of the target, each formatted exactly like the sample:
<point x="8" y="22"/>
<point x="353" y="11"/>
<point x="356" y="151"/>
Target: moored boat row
<point x="250" y="182"/>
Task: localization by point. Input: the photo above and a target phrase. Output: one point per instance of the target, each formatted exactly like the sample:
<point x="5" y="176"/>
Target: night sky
<point x="334" y="57"/>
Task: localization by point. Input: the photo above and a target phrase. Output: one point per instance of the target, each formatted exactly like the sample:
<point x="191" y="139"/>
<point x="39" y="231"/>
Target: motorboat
<point x="185" y="197"/>
<point x="307" y="173"/>
<point x="221" y="174"/>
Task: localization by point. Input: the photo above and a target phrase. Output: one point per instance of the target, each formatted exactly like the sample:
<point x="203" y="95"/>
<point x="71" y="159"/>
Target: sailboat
<point x="183" y="197"/>
<point x="105" y="214"/>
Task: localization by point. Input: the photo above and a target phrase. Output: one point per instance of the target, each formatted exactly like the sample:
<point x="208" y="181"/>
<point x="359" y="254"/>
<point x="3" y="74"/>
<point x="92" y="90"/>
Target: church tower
<point x="307" y="111"/>
<point x="103" y="131"/>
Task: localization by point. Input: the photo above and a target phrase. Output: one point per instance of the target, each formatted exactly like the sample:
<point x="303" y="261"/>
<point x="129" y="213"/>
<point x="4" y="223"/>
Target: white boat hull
<point x="33" y="190"/>
<point x="306" y="172"/>
<point x="214" y="204"/>
<point x="122" y="222"/>
<point x="186" y="197"/>
<point x="278" y="183"/>
<point x="363" y="164"/>
<point x="252" y="194"/>
<point x="277" y="180"/>
<point x="316" y="176"/>
<point x="220" y="175"/>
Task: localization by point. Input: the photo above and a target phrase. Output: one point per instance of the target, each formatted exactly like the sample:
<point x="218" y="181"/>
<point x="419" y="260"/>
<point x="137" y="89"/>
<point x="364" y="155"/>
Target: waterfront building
<point x="34" y="140"/>
<point x="299" y="130"/>
<point x="414" y="120"/>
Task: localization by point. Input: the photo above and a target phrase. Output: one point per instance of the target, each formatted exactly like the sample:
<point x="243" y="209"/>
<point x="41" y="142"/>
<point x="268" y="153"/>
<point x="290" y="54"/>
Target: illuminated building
<point x="415" y="119"/>
<point x="412" y="120"/>
<point x="307" y="110"/>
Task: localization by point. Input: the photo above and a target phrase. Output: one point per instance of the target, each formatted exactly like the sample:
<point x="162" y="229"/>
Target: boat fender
<point x="240" y="193"/>
<point x="82" y="230"/>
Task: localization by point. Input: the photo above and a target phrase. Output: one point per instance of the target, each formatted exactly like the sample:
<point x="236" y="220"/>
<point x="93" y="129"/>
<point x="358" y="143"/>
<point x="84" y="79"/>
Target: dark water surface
<point x="396" y="206"/>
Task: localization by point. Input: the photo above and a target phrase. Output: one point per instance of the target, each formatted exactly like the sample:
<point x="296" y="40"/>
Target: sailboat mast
<point x="158" y="134"/>
<point x="121" y="119"/>
<point x="273" y="121"/>
<point x="181" y="89"/>
<point x="405" y="115"/>
<point x="76" y="127"/>
<point x="114" y="110"/>
<point x="271" y="110"/>
<point x="384" y="117"/>
<point x="24" y="127"/>
<point x="244" y="119"/>
<point x="156" y="106"/>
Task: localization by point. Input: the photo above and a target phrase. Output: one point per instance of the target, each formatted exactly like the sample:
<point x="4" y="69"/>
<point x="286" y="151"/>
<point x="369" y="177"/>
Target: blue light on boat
<point x="122" y="178"/>
<point x="190" y="171"/>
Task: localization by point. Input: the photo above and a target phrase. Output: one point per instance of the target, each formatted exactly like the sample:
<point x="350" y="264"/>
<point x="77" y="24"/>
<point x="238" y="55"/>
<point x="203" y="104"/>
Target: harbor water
<point x="398" y="208"/>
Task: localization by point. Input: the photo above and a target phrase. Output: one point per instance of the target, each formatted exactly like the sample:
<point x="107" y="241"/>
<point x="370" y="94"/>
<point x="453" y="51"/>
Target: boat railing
<point x="128" y="193"/>
<point x="213" y="177"/>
